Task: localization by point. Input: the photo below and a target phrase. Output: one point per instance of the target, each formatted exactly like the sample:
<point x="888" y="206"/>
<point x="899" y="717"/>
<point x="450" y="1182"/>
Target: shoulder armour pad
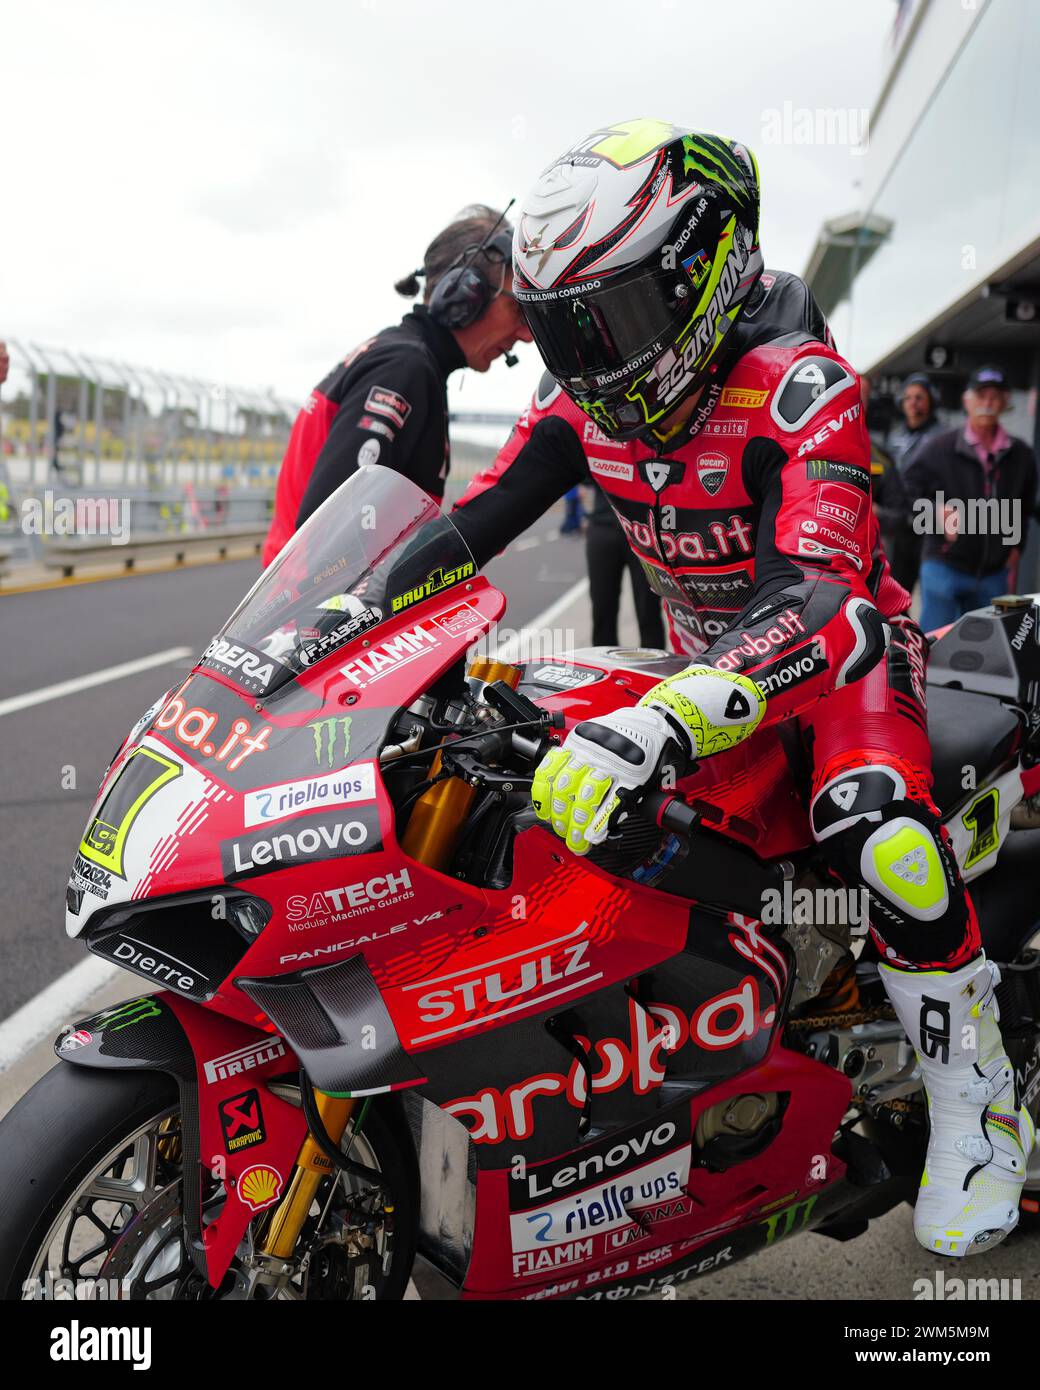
<point x="807" y="385"/>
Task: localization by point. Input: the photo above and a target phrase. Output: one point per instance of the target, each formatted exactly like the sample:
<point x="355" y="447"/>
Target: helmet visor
<point x="592" y="338"/>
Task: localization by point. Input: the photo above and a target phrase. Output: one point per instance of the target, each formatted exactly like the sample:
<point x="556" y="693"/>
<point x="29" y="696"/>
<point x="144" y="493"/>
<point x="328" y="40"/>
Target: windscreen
<point x="377" y="547"/>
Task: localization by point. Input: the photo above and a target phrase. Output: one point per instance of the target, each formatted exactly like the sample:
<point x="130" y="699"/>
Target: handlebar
<point x="669" y="812"/>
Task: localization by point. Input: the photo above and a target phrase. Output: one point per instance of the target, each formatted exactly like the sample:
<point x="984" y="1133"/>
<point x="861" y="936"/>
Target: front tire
<point x="85" y="1152"/>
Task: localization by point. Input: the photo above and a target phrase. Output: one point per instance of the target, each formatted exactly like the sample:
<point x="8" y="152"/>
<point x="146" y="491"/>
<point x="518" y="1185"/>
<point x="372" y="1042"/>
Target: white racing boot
<point x="980" y="1139"/>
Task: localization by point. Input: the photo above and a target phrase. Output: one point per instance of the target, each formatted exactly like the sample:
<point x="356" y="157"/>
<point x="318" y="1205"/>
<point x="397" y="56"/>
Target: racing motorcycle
<point x="393" y="1026"/>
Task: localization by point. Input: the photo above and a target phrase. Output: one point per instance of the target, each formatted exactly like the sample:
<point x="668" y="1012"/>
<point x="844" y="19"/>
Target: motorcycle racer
<point x="733" y="449"/>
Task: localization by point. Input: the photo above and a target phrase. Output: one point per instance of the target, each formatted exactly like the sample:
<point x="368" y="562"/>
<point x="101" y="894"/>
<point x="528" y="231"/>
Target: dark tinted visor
<point x="605" y="331"/>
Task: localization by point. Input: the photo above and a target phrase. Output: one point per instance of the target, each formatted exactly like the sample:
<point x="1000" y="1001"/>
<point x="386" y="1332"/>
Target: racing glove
<point x="579" y="786"/>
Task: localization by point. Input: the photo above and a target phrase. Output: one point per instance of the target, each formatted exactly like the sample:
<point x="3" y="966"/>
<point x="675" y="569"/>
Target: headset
<point x="463" y="292"/>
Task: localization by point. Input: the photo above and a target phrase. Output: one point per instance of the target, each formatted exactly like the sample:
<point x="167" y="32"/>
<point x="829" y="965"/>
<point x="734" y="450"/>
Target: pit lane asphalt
<point x="55" y="635"/>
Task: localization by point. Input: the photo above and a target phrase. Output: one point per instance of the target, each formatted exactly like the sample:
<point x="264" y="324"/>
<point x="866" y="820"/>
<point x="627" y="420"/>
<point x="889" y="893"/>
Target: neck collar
<point x="440" y="340"/>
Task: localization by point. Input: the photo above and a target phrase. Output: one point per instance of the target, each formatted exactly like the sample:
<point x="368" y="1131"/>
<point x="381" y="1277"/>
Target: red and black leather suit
<point x="757" y="532"/>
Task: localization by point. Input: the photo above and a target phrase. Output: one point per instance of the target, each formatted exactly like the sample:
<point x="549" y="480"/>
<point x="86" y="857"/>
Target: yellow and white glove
<point x="703" y="711"/>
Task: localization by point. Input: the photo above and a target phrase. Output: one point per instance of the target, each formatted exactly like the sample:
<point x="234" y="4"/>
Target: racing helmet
<point x="632" y="258"/>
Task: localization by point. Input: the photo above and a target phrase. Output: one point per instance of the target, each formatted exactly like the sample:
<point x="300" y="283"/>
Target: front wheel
<point x="85" y="1153"/>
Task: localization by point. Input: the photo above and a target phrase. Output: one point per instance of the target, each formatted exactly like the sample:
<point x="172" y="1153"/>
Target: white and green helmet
<point x="633" y="255"/>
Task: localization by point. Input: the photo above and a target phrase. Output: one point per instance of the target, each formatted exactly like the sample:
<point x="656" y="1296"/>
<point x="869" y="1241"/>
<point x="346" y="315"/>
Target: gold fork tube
<point x="283" y="1230"/>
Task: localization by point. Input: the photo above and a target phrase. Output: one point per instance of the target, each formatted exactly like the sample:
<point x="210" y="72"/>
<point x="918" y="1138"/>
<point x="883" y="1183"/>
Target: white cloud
<point x="230" y="189"/>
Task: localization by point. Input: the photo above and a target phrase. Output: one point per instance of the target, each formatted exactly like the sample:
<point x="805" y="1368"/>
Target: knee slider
<point x="897" y="850"/>
<point x="901" y="860"/>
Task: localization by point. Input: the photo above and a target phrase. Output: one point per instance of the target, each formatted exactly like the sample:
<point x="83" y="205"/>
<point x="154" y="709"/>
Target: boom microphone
<point x="509" y="359"/>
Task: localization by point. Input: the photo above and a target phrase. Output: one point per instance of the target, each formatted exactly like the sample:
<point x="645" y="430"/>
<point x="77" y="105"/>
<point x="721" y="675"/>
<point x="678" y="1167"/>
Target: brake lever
<point x="468" y="765"/>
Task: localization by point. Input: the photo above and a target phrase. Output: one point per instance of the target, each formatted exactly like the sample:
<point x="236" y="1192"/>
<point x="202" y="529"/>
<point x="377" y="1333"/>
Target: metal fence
<point x="81" y="420"/>
<point x="92" y="447"/>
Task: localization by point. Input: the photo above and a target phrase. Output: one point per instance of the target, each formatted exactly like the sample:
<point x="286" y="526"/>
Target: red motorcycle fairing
<point x="705" y="1026"/>
<point x="232" y="1124"/>
<point x="650" y="1217"/>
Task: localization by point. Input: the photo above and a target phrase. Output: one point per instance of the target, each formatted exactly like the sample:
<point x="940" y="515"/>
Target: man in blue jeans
<point x="973" y="490"/>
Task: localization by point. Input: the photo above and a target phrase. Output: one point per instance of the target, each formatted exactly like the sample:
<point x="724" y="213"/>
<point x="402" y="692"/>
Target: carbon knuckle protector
<point x="715" y="709"/>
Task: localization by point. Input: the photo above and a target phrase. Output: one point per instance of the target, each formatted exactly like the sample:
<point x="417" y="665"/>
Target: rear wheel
<point x="86" y="1154"/>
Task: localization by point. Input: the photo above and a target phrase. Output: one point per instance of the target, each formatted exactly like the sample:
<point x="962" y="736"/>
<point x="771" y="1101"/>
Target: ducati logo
<point x="711" y="471"/>
<point x="661" y="473"/>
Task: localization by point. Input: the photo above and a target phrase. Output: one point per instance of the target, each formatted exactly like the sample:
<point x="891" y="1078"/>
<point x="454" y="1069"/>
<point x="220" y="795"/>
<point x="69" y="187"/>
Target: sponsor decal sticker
<point x="523" y="980"/>
<point x="828" y="470"/>
<point x="369" y="451"/>
<point x="385" y="657"/>
<point x="839" y="505"/>
<point x="304" y="841"/>
<point x="259" y="1187"/>
<point x="268" y="804"/>
<point x="725" y="429"/>
<point x="789" y="670"/>
<point x="608" y="1206"/>
<point x="195" y="726"/>
<point x="330" y="734"/>
<point x="306" y="910"/>
<point x="242" y="1121"/>
<point x="252" y="670"/>
<point x="341" y="634"/>
<point x="742" y="398"/>
<point x="592" y="434"/>
<point x="369" y="422"/>
<point x="564" y="677"/>
<point x="656" y="1031"/>
<point x="71" y="1041"/>
<point x="244" y="1059"/>
<point x="459" y="621"/>
<point x="711" y="472"/>
<point x="787" y="625"/>
<point x="612" y="468"/>
<point x="89" y="878"/>
<point x="382" y="401"/>
<point x="435" y="582"/>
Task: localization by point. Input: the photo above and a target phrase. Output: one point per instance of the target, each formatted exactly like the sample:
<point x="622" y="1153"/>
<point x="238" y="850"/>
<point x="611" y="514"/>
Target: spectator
<point x="573" y="515"/>
<point x="5" y="363"/>
<point x="973" y="490"/>
<point x="608" y="554"/>
<point x="892" y="504"/>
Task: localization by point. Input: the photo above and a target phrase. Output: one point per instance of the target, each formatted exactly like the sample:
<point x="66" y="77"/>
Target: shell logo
<point x="259" y="1186"/>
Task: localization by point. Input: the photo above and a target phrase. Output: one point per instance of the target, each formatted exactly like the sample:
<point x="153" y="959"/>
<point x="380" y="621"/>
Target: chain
<point x="842" y="1020"/>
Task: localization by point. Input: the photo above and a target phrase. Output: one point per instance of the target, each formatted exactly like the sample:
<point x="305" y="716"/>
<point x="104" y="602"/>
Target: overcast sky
<point x="230" y="189"/>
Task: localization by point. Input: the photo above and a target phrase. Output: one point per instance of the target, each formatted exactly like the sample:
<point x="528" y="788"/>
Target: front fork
<point x="286" y="1223"/>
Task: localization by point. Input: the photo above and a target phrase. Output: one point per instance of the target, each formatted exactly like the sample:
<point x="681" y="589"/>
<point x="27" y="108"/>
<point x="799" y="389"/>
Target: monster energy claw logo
<point x="324" y="732"/>
<point x="134" y="1011"/>
<point x="786" y="1221"/>
<point x="713" y="159"/>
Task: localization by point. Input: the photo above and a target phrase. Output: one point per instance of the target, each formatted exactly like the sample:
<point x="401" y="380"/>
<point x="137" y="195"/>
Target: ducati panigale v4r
<point x="391" y="1016"/>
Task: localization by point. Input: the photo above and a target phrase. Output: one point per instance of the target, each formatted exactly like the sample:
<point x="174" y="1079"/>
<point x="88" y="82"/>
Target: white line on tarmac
<point x="52" y="1007"/>
<point x="510" y="649"/>
<point x="111" y="673"/>
<point x="62" y="999"/>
